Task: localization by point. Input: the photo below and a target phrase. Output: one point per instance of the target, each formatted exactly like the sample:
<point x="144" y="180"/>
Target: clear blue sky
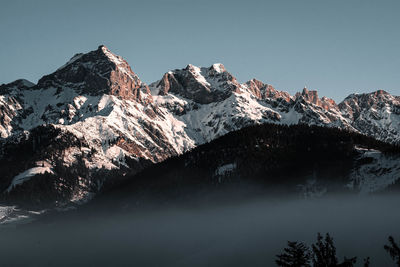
<point x="337" y="47"/>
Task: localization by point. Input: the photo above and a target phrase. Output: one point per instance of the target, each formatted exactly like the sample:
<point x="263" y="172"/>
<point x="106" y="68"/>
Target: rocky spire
<point x="311" y="96"/>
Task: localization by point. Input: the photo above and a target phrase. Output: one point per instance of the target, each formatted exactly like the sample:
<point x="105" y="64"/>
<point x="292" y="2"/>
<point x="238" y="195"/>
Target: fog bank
<point x="248" y="234"/>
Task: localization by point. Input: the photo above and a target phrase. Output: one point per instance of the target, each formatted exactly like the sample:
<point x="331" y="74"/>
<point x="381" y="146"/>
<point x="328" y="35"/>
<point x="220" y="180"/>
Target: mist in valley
<point x="249" y="233"/>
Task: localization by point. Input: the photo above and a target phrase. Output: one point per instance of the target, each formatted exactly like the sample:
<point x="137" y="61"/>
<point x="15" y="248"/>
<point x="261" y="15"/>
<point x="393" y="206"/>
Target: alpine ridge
<point x="93" y="118"/>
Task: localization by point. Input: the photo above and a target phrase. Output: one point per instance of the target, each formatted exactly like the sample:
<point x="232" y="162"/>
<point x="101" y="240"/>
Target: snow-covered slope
<point x="109" y="120"/>
<point x="377" y="172"/>
<point x="376" y="114"/>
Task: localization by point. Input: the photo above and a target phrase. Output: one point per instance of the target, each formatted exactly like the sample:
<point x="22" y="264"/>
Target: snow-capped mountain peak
<point x="202" y="85"/>
<point x="376" y="114"/>
<point x="108" y="120"/>
<point x="98" y="72"/>
<point x="218" y="67"/>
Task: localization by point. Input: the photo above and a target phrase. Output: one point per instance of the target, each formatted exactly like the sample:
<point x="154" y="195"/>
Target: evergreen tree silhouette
<point x="393" y="250"/>
<point x="324" y="253"/>
<point x="366" y="262"/>
<point x="348" y="262"/>
<point x="296" y="254"/>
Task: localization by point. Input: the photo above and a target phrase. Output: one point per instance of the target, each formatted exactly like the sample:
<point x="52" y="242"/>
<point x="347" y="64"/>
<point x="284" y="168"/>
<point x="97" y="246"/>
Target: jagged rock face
<point x="96" y="73"/>
<point x="328" y="103"/>
<point x="202" y="85"/>
<point x="309" y="96"/>
<point x="9" y="109"/>
<point x="376" y="114"/>
<point x="354" y="105"/>
<point x="11" y="105"/>
<point x="265" y="91"/>
<point x="312" y="97"/>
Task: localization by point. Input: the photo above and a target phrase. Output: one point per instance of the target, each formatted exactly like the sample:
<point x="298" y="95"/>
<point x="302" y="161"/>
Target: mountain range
<point x="93" y="122"/>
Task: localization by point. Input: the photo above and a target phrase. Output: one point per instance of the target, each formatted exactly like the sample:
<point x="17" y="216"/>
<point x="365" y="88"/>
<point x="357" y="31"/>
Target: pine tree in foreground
<point x="366" y="262"/>
<point x="393" y="250"/>
<point x="297" y="254"/>
<point x="324" y="253"/>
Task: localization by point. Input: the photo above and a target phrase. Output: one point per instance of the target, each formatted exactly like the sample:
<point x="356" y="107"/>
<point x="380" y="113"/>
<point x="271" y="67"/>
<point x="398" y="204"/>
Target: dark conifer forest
<point x="269" y="158"/>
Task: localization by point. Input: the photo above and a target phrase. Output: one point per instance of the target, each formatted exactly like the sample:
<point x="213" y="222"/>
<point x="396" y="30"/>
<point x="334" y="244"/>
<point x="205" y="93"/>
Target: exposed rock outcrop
<point x="98" y="72"/>
<point x="202" y="85"/>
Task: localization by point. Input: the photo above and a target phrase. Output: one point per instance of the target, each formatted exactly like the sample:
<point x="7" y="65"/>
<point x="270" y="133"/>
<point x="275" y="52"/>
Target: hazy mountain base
<point x="222" y="204"/>
<point x="270" y="159"/>
<point x="262" y="160"/>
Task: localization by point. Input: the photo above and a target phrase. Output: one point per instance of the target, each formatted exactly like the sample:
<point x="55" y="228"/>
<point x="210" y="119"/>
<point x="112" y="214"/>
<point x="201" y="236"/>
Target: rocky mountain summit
<point x="202" y="85"/>
<point x="98" y="72"/>
<point x="93" y="118"/>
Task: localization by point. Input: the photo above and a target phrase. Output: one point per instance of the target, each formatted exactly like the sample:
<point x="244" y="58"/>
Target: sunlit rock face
<point x="202" y="85"/>
<point x="96" y="73"/>
<point x="266" y="91"/>
<point x="312" y="97"/>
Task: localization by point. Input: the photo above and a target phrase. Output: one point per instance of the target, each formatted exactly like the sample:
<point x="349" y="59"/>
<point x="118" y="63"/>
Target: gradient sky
<point x="336" y="47"/>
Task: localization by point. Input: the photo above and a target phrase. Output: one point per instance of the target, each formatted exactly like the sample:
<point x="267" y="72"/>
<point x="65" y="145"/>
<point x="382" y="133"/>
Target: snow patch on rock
<point x="27" y="175"/>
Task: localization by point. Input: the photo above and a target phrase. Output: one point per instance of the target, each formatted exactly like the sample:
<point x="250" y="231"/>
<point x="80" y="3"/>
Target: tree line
<point x="323" y="254"/>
